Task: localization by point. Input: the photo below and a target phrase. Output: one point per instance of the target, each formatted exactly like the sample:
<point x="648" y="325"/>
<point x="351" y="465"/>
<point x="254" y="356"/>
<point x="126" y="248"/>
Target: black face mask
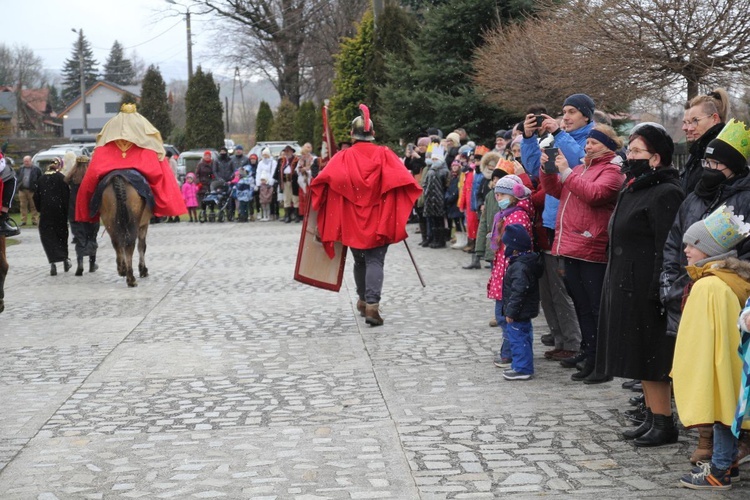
<point x="518" y="159"/>
<point x="635" y="168"/>
<point x="709" y="182"/>
<point x="223" y="156"/>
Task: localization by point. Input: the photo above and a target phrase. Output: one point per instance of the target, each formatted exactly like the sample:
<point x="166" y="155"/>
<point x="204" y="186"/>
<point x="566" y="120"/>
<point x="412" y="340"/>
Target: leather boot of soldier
<point x="7" y="226"/>
<point x="79" y="267"/>
<point x="372" y="315"/>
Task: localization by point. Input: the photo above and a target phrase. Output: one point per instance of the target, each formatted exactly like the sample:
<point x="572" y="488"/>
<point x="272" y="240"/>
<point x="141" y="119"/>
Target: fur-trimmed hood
<point x="488" y="163"/>
<point x="731" y="270"/>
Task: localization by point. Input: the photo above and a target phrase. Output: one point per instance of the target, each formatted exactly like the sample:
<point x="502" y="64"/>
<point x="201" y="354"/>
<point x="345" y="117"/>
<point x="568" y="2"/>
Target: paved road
<point x="220" y="377"/>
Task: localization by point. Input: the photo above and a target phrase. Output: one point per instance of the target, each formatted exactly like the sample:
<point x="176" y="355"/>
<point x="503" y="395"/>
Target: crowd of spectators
<point x="618" y="246"/>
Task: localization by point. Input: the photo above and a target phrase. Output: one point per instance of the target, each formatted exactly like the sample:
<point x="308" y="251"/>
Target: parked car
<point x="43" y="158"/>
<point x="188" y="160"/>
<point x="275" y="146"/>
<point x="174" y="150"/>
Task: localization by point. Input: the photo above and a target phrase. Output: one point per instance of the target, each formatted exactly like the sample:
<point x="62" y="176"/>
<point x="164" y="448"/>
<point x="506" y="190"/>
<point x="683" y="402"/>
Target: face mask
<point x="223" y="156"/>
<point x="504" y="203"/>
<point x="518" y="159"/>
<point x="635" y="168"/>
<point x="711" y="178"/>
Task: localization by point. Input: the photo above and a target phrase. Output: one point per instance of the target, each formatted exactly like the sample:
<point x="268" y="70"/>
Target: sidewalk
<point x="221" y="377"/>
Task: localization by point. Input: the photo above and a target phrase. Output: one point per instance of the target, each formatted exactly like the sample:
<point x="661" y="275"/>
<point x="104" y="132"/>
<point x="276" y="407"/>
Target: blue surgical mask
<point x="504" y="203"/>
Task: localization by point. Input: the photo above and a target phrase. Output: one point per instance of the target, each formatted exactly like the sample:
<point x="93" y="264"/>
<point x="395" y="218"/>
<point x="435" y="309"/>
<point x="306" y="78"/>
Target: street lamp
<point x="83" y="77"/>
<point x="189" y="42"/>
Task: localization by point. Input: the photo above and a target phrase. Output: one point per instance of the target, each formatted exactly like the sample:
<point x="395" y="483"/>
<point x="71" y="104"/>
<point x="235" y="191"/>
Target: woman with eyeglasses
<point x="633" y="342"/>
<point x="704" y="118"/>
<point x="724" y="180"/>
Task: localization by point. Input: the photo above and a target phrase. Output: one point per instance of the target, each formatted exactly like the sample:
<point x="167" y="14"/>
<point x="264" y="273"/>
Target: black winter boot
<point x="636" y="432"/>
<point x="662" y="432"/>
<point x="92" y="264"/>
<point x="439" y="239"/>
<point x="79" y="268"/>
<point x="297" y="217"/>
<point x="288" y="215"/>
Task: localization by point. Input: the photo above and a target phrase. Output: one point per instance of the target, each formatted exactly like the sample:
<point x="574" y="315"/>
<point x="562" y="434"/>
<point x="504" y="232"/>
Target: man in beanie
<point x="520" y="299"/>
<point x="570" y="141"/>
<point x="707" y="372"/>
<point x="364" y="197"/>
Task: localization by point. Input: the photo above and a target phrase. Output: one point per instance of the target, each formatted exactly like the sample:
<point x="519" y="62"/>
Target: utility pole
<point x="83" y="78"/>
<point x="189" y="40"/>
<point x="377" y="10"/>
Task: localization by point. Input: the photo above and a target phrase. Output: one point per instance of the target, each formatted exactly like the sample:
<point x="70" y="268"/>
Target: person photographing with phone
<point x="587" y="195"/>
<point x="569" y="140"/>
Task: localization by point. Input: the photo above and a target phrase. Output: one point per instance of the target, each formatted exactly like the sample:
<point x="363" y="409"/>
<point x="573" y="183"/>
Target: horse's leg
<point x="142" y="269"/>
<point x="3" y="273"/>
<point x="129" y="277"/>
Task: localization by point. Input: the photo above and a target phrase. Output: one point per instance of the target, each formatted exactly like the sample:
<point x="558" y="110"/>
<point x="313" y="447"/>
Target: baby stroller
<point x="216" y="204"/>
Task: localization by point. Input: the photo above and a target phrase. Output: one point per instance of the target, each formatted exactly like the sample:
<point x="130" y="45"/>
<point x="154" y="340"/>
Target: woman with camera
<point x="587" y="195"/>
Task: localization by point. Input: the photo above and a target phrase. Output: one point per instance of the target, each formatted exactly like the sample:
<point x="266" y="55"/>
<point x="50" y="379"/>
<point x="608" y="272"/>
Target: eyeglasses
<point x="638" y="151"/>
<point x="712" y="164"/>
<point x="695" y="121"/>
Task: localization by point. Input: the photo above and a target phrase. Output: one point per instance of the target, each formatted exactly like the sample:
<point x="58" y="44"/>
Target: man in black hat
<point x="288" y="184"/>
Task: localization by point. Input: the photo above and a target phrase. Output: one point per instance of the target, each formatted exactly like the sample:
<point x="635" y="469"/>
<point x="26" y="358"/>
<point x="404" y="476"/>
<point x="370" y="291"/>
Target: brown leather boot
<point x="705" y="449"/>
<point x="372" y="315"/>
<point x="361" y="305"/>
<point x="469" y="248"/>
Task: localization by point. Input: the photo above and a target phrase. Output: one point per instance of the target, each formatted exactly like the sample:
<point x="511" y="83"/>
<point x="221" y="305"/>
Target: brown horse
<point x="125" y="215"/>
<point x="3" y="272"/>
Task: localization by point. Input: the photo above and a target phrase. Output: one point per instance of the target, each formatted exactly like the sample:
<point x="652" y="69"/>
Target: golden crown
<point x="128" y="107"/>
<point x="737" y="134"/>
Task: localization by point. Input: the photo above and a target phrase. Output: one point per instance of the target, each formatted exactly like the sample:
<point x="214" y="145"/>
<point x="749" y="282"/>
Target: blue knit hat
<point x="582" y="103"/>
<point x="516" y="239"/>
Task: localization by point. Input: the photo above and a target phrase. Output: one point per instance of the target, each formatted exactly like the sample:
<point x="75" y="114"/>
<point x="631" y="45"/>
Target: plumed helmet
<point x="362" y="129"/>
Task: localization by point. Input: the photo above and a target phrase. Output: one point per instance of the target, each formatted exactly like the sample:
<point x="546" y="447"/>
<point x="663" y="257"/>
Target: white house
<point x="102" y="103"/>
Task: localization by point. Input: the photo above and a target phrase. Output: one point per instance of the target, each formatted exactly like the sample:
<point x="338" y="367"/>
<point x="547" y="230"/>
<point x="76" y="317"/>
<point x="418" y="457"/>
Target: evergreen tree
<point x="71" y="73"/>
<point x="263" y="122"/>
<point x="431" y="85"/>
<point x="118" y="69"/>
<point x="304" y="123"/>
<point x="154" y="105"/>
<point x="55" y="101"/>
<point x="283" y="122"/>
<point x="204" y="127"/>
<point x="128" y="98"/>
<point x="352" y="83"/>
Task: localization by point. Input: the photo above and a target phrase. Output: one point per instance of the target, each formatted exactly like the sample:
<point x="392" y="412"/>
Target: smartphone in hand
<point x="539" y="120"/>
<point x="549" y="166"/>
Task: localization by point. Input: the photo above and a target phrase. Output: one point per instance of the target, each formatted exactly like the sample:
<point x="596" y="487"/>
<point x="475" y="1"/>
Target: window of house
<point x="111" y="108"/>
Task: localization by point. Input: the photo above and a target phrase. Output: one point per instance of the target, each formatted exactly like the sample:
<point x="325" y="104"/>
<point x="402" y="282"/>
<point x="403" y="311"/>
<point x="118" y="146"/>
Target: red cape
<point x="364" y="197"/>
<point x="167" y="196"/>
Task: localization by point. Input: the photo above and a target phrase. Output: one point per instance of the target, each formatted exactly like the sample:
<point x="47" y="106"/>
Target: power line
<point x="147" y="41"/>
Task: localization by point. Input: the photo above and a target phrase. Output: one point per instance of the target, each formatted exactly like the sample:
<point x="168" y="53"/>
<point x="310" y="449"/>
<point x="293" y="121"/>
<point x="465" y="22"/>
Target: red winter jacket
<point x="587" y="200"/>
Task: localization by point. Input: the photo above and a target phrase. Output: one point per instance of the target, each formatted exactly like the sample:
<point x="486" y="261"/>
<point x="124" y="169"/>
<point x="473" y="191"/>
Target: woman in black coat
<point x="51" y="198"/>
<point x="633" y="341"/>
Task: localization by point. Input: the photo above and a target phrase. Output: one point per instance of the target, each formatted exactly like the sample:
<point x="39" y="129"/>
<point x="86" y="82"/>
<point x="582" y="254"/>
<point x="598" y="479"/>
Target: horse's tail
<point x="124" y="224"/>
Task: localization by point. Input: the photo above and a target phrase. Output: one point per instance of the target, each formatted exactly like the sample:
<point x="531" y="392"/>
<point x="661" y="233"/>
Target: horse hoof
<point x="133" y="284"/>
<point x="144" y="273"/>
<point x="2" y="306"/>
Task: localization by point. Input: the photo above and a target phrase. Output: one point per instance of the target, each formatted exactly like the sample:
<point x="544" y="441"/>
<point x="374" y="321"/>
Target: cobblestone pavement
<point x="221" y="377"/>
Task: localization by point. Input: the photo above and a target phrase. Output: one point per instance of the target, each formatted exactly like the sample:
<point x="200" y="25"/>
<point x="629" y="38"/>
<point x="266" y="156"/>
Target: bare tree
<point x="544" y="60"/>
<point x="290" y="42"/>
<point x="692" y="42"/>
<point x="616" y="50"/>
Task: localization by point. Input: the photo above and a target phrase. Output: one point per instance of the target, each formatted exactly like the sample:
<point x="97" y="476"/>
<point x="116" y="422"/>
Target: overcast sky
<point x="154" y="29"/>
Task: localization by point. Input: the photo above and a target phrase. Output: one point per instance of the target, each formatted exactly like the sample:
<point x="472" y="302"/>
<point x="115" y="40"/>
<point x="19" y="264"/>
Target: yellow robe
<point x="706" y="370"/>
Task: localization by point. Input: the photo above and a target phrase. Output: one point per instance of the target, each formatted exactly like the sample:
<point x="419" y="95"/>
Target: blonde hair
<point x="609" y="132"/>
<point x="716" y="101"/>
